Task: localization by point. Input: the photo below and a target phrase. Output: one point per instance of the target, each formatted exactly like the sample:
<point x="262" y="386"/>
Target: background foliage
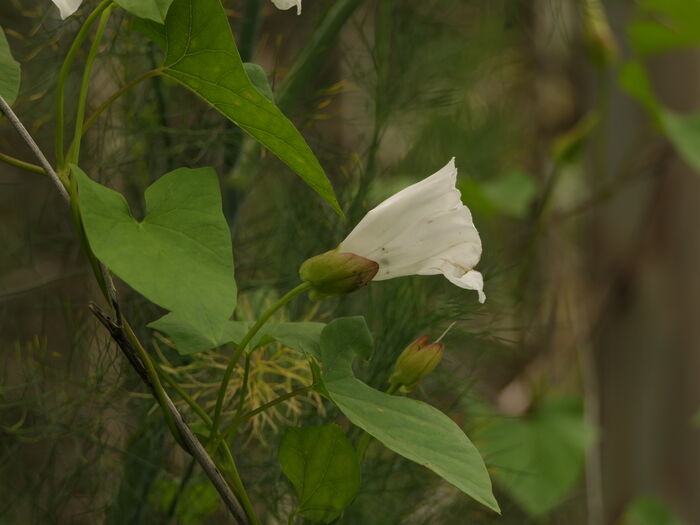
<point x="577" y="149"/>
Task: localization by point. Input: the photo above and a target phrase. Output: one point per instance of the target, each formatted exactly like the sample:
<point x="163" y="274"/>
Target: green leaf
<point x="474" y="197"/>
<point x="411" y="428"/>
<point x="512" y="193"/>
<point x="324" y="469"/>
<point x="634" y="79"/>
<point x="151" y="30"/>
<point x="683" y="131"/>
<point x="648" y="511"/>
<point x="197" y="500"/>
<point x="664" y="25"/>
<point x="303" y="337"/>
<point x="179" y="256"/>
<point x="155" y="10"/>
<point x="203" y="57"/>
<point x="538" y="458"/>
<point x="190" y="339"/>
<point x="258" y="78"/>
<point x="9" y="71"/>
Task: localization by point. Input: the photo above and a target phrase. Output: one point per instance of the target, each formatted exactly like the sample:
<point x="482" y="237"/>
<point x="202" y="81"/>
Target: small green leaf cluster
<point x="649" y="38"/>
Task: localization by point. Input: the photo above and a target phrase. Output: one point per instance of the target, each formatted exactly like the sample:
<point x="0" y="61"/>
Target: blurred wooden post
<point x="645" y="245"/>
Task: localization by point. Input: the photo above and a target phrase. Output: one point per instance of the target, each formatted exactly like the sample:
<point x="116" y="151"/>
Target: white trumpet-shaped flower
<point x="286" y="4"/>
<point x="424" y="229"/>
<point x="67" y="7"/>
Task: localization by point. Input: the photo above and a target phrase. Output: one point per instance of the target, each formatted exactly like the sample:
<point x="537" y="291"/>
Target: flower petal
<point x="286" y="4"/>
<point x="450" y="236"/>
<point x="400" y="212"/>
<point x="471" y="280"/>
<point x="422" y="230"/>
<point x="67" y="7"/>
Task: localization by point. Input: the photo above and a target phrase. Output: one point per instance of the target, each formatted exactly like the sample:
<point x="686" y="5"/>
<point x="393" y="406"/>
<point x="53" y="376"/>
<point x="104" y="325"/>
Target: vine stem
<point x="126" y="87"/>
<point x="244" y="388"/>
<point x="140" y="362"/>
<point x="230" y="469"/>
<point x="74" y="150"/>
<point x="154" y="379"/>
<point x="133" y="350"/>
<point x="63" y="76"/>
<point x="241" y="348"/>
<point x="17" y="163"/>
<point x="238" y="420"/>
<point x="185" y="396"/>
<point x="17" y="124"/>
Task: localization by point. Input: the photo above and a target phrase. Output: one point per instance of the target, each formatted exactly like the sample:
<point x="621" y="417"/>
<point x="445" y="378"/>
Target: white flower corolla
<point x="67" y="7"/>
<point x="286" y="4"/>
<point x="424" y="229"/>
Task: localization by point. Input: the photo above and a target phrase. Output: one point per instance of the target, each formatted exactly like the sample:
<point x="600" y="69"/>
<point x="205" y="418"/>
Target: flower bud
<point x="337" y="273"/>
<point x="415" y="362"/>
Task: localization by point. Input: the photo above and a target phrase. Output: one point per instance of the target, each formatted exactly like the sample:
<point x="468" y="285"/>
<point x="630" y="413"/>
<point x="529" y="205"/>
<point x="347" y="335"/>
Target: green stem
<point x="238" y="420"/>
<point x="244" y="388"/>
<point x="74" y="203"/>
<point x="297" y="81"/>
<point x="185" y="396"/>
<point x="365" y="439"/>
<point x="28" y="166"/>
<point x="74" y="150"/>
<point x="250" y="27"/>
<point x="241" y="348"/>
<point x="107" y="103"/>
<point x="63" y="76"/>
<point x="234" y="480"/>
<point x="155" y="382"/>
<point x="315" y="52"/>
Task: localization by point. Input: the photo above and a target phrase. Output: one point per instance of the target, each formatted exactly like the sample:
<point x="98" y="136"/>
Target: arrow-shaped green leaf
<point x="179" y="256"/>
<point x="202" y="56"/>
<point x="303" y="337"/>
<point x="411" y="428"/>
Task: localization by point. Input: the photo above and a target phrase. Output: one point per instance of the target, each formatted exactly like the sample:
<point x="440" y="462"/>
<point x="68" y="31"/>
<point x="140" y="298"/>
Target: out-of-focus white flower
<point x="286" y="4"/>
<point x="424" y="229"/>
<point x="67" y="7"/>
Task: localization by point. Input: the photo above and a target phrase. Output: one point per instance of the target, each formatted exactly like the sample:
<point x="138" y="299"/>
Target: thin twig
<point x="14" y="120"/>
<point x="208" y="466"/>
<point x="122" y="341"/>
<point x="117" y="331"/>
<point x="193" y="445"/>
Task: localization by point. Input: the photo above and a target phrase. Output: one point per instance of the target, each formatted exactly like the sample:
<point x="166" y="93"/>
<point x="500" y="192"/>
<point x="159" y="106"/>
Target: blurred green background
<point x="578" y="151"/>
